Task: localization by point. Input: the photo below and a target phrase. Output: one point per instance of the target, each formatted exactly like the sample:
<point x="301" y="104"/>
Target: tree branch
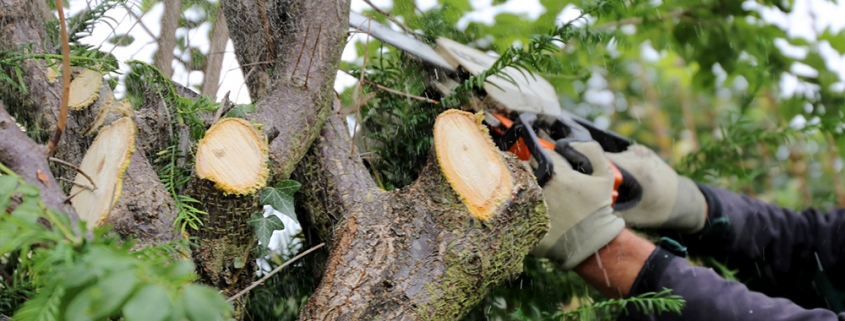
<point x="293" y="96"/>
<point x="26" y="158"/>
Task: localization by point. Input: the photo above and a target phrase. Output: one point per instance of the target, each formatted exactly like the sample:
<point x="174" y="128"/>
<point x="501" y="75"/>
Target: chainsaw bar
<point x="406" y="43"/>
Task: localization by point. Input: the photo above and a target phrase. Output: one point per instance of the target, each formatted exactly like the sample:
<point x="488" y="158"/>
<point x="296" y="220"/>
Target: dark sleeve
<point x="740" y="226"/>
<point x="709" y="297"/>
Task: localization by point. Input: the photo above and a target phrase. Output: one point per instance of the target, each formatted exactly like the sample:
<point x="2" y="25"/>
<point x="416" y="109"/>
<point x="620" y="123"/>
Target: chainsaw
<point x="522" y="111"/>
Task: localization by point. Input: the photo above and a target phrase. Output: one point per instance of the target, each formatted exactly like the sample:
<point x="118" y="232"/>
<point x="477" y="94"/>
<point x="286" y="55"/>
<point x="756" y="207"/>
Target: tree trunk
<point x="431" y="250"/>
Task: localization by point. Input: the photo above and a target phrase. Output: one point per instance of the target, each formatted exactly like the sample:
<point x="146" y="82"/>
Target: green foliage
<point x="729" y="157"/>
<point x="65" y="276"/>
<point x="264" y="226"/>
<point x="173" y="177"/>
<point x="281" y="198"/>
<point x="397" y="129"/>
<point x="649" y="303"/>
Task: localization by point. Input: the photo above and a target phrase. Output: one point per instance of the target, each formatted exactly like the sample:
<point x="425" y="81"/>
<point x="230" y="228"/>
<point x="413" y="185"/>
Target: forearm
<point x="630" y="266"/>
<point x="766" y="233"/>
<point x="613" y="269"/>
<point x="710" y="297"/>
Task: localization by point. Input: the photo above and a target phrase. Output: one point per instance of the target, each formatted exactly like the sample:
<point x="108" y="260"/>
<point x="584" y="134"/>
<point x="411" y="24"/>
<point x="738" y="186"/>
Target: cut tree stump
<point x="125" y="192"/>
<point x="231" y="166"/>
<point x="432" y="250"/>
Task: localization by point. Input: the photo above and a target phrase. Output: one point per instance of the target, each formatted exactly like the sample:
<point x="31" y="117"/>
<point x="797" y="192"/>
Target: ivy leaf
<point x="288" y="186"/>
<point x="281" y="197"/>
<point x="264" y="226"/>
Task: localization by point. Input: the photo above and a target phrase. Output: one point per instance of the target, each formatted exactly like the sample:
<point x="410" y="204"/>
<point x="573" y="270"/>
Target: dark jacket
<point x="777" y="251"/>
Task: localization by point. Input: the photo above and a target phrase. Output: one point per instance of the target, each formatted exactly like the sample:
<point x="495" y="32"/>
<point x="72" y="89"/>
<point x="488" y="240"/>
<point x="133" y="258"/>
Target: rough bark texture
<point x="414" y="253"/>
<point x="27" y="159"/>
<point x="22" y="25"/>
<point x="37" y="109"/>
<point x="145" y="210"/>
<point x="224" y="257"/>
<point x="289" y="52"/>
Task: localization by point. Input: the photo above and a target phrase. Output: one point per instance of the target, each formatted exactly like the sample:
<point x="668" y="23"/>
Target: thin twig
<point x="391" y="18"/>
<point x="60" y="126"/>
<point x="360" y="87"/>
<point x="276" y="270"/>
<point x="76" y="184"/>
<point x="77" y="169"/>
<point x="396" y="92"/>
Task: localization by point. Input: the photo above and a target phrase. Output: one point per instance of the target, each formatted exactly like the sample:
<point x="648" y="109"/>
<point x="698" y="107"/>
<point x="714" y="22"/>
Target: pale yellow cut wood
<point x="84" y="89"/>
<point x="102" y="114"/>
<point x="234" y="156"/>
<point x="52" y="75"/>
<point x="471" y="163"/>
<point x="106" y="162"/>
<point x="124" y="106"/>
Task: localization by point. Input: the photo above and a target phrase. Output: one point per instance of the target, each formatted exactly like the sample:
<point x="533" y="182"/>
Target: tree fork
<point x="289" y="52"/>
<point x="434" y="249"/>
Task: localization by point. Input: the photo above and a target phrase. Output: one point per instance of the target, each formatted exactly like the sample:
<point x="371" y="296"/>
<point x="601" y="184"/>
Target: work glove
<point x="582" y="221"/>
<point x="666" y="200"/>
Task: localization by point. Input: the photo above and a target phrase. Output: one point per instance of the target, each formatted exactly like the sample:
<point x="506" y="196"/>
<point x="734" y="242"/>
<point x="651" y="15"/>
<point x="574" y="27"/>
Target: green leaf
<point x="42" y="307"/>
<point x="288" y="186"/>
<point x="7" y="187"/>
<point x="203" y="303"/>
<point x="150" y="303"/>
<point x="281" y="198"/>
<point x="264" y="226"/>
<point x="28" y="211"/>
<point x="28" y="190"/>
<point x="81" y="307"/>
<point x="180" y="270"/>
<point x="111" y="292"/>
<point x="240" y="110"/>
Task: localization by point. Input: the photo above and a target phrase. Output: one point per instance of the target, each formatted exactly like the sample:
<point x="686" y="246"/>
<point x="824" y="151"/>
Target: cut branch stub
<point x="232" y="165"/>
<point x="470" y="163"/>
<point x="84" y="89"/>
<point x="233" y="155"/>
<point x="127" y="193"/>
<point x="419" y="253"/>
<point x="105" y="162"/>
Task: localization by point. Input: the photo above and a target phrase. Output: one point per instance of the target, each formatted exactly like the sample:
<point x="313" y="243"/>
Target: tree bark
<point x="23" y="156"/>
<point x="289" y="52"/>
<point x="419" y="252"/>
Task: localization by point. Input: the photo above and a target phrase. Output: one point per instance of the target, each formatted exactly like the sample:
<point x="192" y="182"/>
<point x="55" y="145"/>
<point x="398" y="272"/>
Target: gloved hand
<point x="668" y="201"/>
<point x="582" y="221"/>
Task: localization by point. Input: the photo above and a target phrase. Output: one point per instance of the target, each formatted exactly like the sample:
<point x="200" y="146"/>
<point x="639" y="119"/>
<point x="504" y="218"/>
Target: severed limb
<point x="433" y="249"/>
